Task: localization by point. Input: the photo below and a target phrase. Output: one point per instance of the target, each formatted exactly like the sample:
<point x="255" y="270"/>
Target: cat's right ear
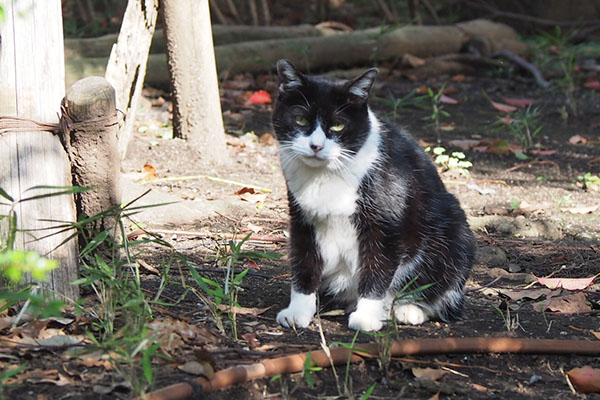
<point x="289" y="78"/>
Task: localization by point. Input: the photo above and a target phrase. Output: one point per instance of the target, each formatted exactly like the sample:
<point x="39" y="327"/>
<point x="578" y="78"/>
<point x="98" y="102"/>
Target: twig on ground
<point x="531" y="68"/>
<point x="203" y="235"/>
<point x="210" y="178"/>
<point x="527" y="164"/>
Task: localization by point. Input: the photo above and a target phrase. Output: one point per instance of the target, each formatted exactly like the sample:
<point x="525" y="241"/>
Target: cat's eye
<point x="301" y="121"/>
<point x="337" y="127"/>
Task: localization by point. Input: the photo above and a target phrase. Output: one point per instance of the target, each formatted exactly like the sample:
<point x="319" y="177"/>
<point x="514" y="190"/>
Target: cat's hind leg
<point x="370" y="314"/>
<point x="410" y="313"/>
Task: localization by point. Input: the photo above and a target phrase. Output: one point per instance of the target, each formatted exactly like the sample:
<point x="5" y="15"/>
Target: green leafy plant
<point x="308" y="370"/>
<point x="456" y="161"/>
<point x="412" y="99"/>
<point x="522" y="124"/>
<point x="511" y="323"/>
<point x="555" y="49"/>
<point x="437" y="109"/>
<point x="589" y="181"/>
<point x="222" y="300"/>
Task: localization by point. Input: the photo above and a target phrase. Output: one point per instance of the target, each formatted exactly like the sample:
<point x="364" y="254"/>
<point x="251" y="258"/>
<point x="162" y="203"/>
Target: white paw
<point x="300" y="312"/>
<point x="410" y="314"/>
<point x="369" y="315"/>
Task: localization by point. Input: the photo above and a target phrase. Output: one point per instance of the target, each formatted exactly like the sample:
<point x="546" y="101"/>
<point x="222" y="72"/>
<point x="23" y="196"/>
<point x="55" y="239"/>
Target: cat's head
<point x="321" y="121"/>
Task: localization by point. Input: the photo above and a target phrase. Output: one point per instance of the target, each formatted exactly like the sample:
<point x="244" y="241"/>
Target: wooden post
<point x="91" y="142"/>
<point x="126" y="67"/>
<point x="32" y="85"/>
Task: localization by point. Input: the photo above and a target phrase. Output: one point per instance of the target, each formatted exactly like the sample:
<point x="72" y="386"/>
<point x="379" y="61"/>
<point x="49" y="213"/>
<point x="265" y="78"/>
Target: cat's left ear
<point x="358" y="89"/>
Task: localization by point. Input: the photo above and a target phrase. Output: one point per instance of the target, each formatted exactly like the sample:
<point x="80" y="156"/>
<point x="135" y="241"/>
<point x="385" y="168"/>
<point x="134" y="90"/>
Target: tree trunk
<point x="363" y="47"/>
<point x="196" y="101"/>
<point x="128" y="60"/>
<point x="32" y="84"/>
<point x="91" y="142"/>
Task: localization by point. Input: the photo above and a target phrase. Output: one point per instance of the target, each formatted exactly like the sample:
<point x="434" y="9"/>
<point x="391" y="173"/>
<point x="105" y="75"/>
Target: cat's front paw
<point x="294" y="318"/>
<point x="300" y="312"/>
<point x="369" y="315"/>
<point x="410" y="314"/>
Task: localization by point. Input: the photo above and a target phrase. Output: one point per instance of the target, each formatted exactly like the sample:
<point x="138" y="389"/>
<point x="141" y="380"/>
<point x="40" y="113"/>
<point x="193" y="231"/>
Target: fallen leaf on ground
<point x="244" y="310"/>
<point x="167" y="327"/>
<point x="149" y="171"/>
<point x="518" y="102"/>
<point x="580" y="209"/>
<point x="252" y="340"/>
<point x="412" y="61"/>
<point x="503" y="107"/>
<point x="428" y="373"/>
<point x="197" y="368"/>
<point x="465" y="144"/>
<point x="459" y="78"/>
<point x="267" y="139"/>
<point x="592" y="83"/>
<point x="517" y="294"/>
<point x="260" y="97"/>
<point x="480" y="388"/>
<point x="577" y="139"/>
<point x="566" y="283"/>
<point x="570" y="304"/>
<point x="148" y="267"/>
<point x="435" y="396"/>
<point x="447" y="100"/>
<point x="543" y="152"/>
<point x="586" y="379"/>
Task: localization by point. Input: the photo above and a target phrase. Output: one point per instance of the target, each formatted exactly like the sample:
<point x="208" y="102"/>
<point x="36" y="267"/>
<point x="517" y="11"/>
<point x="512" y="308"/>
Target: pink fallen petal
<point x="503" y="107"/>
<point x="543" y="152"/>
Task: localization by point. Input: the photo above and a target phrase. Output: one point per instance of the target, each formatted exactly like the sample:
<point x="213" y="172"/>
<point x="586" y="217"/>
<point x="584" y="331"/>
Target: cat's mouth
<point x="314" y="160"/>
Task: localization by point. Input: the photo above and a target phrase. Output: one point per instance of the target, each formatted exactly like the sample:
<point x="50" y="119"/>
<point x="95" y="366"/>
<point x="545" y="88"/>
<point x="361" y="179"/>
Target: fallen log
<point x="222" y="35"/>
<point x="363" y="47"/>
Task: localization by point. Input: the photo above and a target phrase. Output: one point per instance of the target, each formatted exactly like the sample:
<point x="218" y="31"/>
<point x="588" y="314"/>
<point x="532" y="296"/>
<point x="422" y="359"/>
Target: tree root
<point x="340" y="355"/>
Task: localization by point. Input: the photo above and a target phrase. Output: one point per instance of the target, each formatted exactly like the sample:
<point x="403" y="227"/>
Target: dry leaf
<point x="428" y="373"/>
<point x="252" y="340"/>
<point x="518" y="102"/>
<point x="412" y="61"/>
<point x="172" y="332"/>
<point x="480" y="388"/>
<point x="503" y="107"/>
<point x="517" y="294"/>
<point x="571" y="304"/>
<point x="581" y="209"/>
<point x="459" y="78"/>
<point x="243" y="310"/>
<point x="543" y="152"/>
<point x="197" y="368"/>
<point x="566" y="283"/>
<point x="149" y="172"/>
<point x="266" y="139"/>
<point x="447" y="100"/>
<point x="465" y="144"/>
<point x="148" y="267"/>
<point x="577" y="139"/>
<point x="586" y="379"/>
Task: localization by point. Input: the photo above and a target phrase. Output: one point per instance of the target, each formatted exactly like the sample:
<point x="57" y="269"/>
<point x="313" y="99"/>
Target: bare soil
<point x="542" y="236"/>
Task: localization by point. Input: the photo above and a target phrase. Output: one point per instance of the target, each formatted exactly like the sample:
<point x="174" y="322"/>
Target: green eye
<point x="337" y="128"/>
<point x="301" y="121"/>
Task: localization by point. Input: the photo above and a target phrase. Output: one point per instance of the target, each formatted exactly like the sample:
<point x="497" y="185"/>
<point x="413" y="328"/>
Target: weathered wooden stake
<point x="32" y="84"/>
<point x="126" y="67"/>
<point x="91" y="141"/>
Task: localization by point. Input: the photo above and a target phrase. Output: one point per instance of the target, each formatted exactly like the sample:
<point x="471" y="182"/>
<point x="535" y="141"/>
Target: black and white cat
<point x="368" y="211"/>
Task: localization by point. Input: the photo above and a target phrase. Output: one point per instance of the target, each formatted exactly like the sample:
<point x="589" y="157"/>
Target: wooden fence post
<point x="32" y="85"/>
<point x="90" y="138"/>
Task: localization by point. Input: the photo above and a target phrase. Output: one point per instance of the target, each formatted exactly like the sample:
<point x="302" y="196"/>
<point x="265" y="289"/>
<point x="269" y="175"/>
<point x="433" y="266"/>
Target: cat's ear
<point x="289" y="77"/>
<point x="358" y="89"/>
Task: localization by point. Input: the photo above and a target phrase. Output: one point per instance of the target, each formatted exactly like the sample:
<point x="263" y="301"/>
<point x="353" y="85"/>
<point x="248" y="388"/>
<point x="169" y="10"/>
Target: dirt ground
<point x="531" y="218"/>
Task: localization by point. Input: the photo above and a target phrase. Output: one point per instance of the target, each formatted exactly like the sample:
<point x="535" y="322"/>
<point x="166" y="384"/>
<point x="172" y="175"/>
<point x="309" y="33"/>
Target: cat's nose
<point x="316" y="148"/>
